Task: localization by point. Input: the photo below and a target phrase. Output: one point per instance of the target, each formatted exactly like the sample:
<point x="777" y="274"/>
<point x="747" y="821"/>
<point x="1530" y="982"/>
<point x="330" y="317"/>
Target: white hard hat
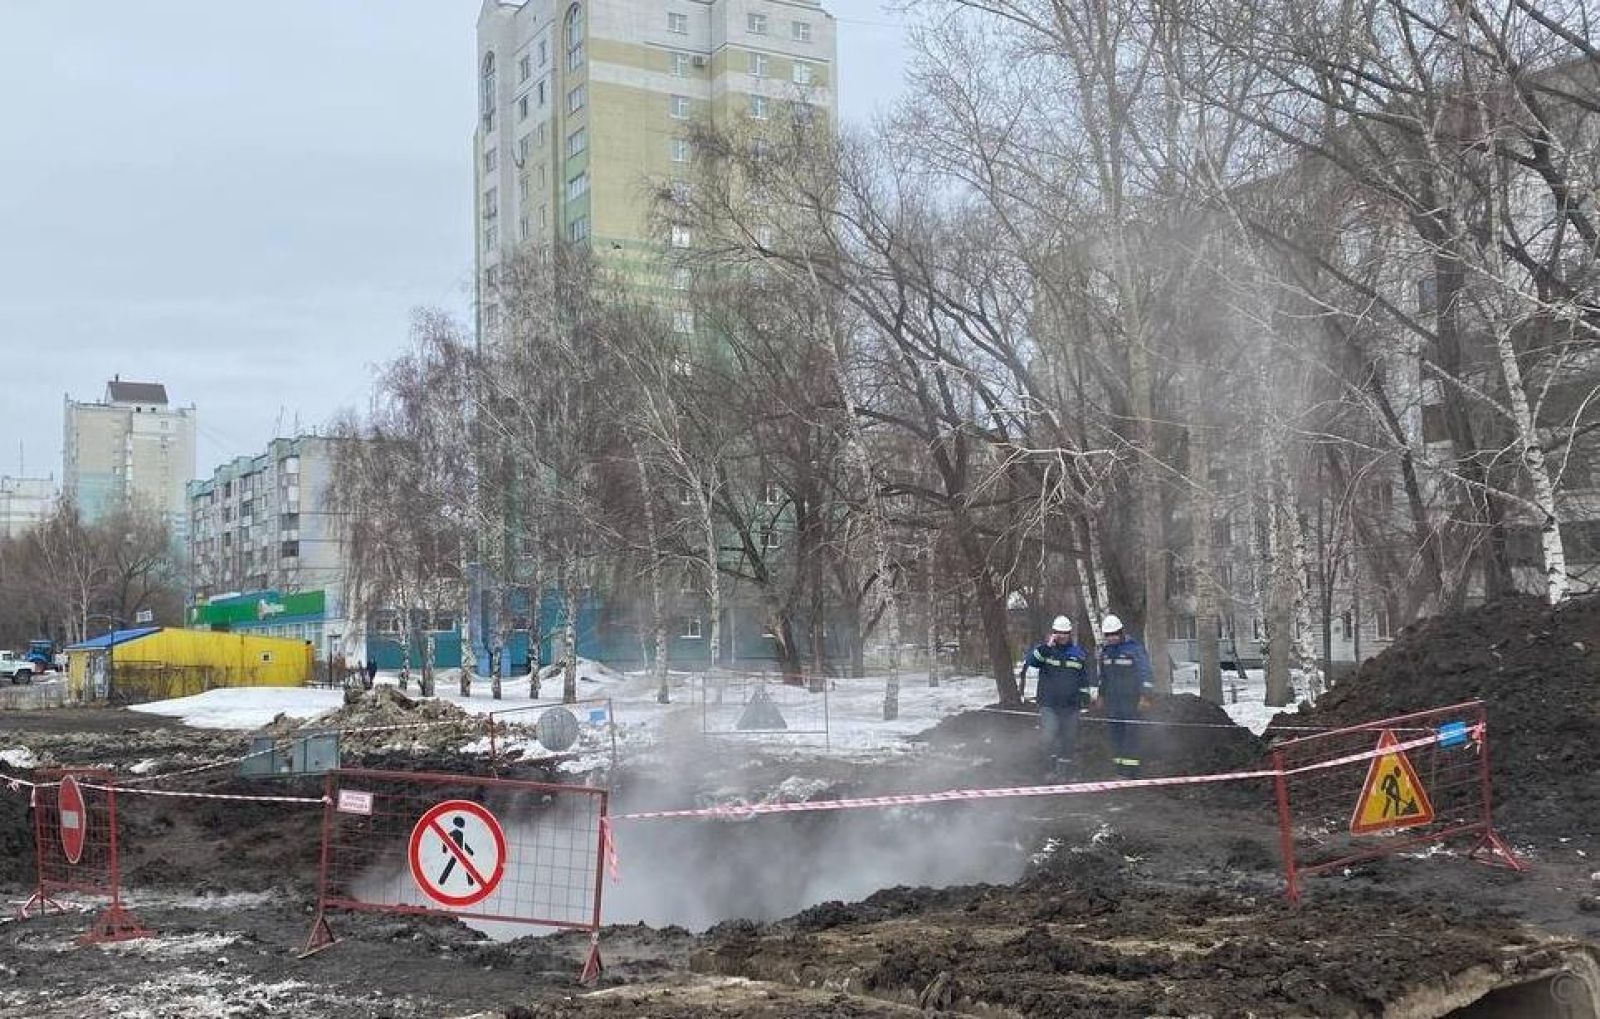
<point x="1062" y="624"/>
<point x="1111" y="625"/>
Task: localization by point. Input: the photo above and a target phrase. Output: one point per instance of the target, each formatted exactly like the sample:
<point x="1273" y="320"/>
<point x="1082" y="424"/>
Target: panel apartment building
<point x="131" y="449"/>
<point x="264" y="555"/>
<point x="584" y="110"/>
<point x="24" y="503"/>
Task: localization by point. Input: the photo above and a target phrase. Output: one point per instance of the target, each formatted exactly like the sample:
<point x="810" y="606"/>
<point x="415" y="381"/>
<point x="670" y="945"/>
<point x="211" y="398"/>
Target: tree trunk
<point x="931" y="611"/>
<point x="658" y="617"/>
<point x="569" y="636"/>
<point x="468" y="629"/>
<point x="1203" y="514"/>
<point x="1152" y="528"/>
<point x="1280" y="606"/>
<point x="708" y="530"/>
<point x="430" y="643"/>
<point x="1305" y="654"/>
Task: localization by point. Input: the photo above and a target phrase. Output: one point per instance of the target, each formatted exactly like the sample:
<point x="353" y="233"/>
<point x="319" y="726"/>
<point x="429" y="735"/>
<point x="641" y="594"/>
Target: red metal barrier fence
<point x="75" y="837"/>
<point x="1430" y="786"/>
<point x="471" y="848"/>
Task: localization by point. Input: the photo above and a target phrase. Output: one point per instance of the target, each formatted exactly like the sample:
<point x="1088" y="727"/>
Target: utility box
<point x="315" y="753"/>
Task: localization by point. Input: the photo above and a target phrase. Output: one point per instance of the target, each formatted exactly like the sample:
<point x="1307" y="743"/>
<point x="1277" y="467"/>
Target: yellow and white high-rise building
<point x="585" y="109"/>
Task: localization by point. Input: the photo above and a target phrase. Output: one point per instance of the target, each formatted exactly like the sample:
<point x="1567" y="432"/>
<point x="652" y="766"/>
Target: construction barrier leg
<point x="321" y="936"/>
<point x="1497" y="853"/>
<point x="115" y="924"/>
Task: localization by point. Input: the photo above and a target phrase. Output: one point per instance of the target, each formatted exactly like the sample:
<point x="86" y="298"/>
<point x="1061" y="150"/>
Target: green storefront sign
<point x="260" y="609"/>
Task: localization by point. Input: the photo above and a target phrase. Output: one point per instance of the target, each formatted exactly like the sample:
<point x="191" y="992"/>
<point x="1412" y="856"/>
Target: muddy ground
<point x="1150" y="903"/>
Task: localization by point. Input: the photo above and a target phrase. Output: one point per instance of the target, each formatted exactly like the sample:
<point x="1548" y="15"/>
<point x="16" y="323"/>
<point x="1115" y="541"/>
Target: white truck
<point x="15" y="668"/>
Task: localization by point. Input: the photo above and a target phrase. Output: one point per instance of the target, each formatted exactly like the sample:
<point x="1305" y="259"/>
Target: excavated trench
<point x="1568" y="989"/>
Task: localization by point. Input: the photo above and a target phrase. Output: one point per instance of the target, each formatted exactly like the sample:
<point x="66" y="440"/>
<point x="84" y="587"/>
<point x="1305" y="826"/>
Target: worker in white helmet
<point x="1063" y="674"/>
<point x="1125" y="687"/>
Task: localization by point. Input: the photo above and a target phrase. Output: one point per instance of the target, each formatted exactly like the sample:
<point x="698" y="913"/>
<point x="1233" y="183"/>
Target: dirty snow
<point x="18" y="757"/>
<point x="855" y="725"/>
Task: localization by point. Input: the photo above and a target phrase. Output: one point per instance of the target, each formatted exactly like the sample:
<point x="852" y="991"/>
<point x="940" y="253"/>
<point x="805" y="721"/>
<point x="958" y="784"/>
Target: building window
<point x="680" y="150"/>
<point x="758" y="65"/>
<point x="289" y="550"/>
<point x="544" y="52"/>
<point x="576" y="98"/>
<point x="578" y="186"/>
<point x="1382" y="623"/>
<point x="756" y="23"/>
<point x="683" y="321"/>
<point x="522" y="150"/>
<point x="758" y="107"/>
<point x="522" y="109"/>
<point x="538" y="93"/>
<point x="491" y="160"/>
<point x="491" y="203"/>
<point x="574" y="37"/>
<point x="802" y="73"/>
<point x="681" y="278"/>
<point x="764" y="237"/>
<point x="491" y="237"/>
<point x="491" y="317"/>
<point x="522" y="187"/>
<point x="678" y="24"/>
<point x="524" y="67"/>
<point x="771" y="493"/>
<point x="691" y="627"/>
<point x="800" y="30"/>
<point x="682" y="236"/>
<point x="578" y="229"/>
<point x="522" y="227"/>
<point x="770" y="541"/>
<point x="577" y="141"/>
<point x="680" y="65"/>
<point x="486" y="91"/>
<point x="678" y="107"/>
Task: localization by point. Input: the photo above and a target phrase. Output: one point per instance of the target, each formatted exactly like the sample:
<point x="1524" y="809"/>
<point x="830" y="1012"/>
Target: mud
<point x="1536" y="669"/>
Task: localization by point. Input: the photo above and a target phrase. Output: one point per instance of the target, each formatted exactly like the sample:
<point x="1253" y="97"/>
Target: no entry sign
<point x="457" y="853"/>
<point x="74" y="819"/>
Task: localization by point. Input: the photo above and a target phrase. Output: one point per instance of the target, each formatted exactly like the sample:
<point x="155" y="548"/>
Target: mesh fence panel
<point x="1334" y="814"/>
<point x="475" y="848"/>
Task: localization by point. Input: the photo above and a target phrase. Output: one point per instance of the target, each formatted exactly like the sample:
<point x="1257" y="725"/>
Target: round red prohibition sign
<point x="457" y="853"/>
<point x="74" y="818"/>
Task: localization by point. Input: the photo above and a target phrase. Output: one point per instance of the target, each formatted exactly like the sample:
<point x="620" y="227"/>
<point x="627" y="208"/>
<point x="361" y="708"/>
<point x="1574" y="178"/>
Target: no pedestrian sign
<point x="457" y="853"/>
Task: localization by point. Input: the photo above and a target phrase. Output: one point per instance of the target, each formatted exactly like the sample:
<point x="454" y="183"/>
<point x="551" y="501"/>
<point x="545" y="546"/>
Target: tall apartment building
<point x="584" y="107"/>
<point x="131" y="449"/>
<point x="23" y="503"/>
<point x="264" y="554"/>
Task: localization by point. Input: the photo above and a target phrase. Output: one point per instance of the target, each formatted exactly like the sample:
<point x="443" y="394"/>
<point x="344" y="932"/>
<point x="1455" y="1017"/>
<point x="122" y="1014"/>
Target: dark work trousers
<point x="1059" y="724"/>
<point x="1124" y="737"/>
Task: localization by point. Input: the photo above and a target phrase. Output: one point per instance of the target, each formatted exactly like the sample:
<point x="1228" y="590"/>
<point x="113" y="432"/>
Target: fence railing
<point x="1384" y="787"/>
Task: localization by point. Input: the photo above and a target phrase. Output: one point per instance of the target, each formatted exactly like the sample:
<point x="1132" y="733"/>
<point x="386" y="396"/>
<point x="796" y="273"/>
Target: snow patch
<point x="169" y="946"/>
<point x="18" y="757"/>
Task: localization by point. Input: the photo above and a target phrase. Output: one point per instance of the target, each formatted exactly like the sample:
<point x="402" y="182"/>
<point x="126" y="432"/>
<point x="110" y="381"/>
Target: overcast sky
<point x="245" y="201"/>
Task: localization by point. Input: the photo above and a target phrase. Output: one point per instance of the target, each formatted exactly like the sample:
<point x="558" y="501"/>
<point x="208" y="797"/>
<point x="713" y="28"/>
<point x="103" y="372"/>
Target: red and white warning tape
<point x="1181" y="725"/>
<point x="740" y="811"/>
<point x="186" y="795"/>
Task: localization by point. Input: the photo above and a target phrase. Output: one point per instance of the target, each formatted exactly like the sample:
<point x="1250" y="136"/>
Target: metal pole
<point x="1285" y="827"/>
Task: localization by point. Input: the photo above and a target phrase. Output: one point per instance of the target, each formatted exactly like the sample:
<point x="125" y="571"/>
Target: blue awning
<point x="106" y="640"/>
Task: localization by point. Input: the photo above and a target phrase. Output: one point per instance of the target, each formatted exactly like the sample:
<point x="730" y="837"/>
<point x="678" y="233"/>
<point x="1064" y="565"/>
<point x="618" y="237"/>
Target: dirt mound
<point x="398" y="721"/>
<point x="1189" y="736"/>
<point x="1538" y="671"/>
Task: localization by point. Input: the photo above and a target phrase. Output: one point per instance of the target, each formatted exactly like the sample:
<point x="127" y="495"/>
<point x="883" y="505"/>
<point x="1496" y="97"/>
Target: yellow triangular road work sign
<point x="1392" y="796"/>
